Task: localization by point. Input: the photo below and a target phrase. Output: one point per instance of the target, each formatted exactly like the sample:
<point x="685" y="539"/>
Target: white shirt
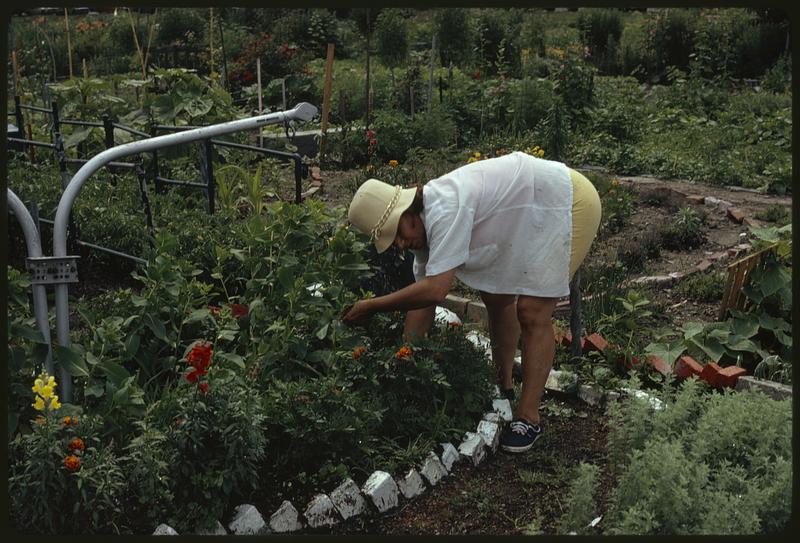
<point x="504" y="224"/>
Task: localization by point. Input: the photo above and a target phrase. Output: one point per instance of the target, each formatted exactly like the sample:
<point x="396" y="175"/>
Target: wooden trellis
<point x="733" y="298"/>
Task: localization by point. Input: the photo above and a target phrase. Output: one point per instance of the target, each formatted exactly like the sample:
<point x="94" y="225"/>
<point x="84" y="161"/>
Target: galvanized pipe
<point x="34" y="244"/>
<point x="302" y="112"/>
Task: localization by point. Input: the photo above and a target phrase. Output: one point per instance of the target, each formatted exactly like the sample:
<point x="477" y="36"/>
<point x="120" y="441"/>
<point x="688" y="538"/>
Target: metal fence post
<point x="575" y="320"/>
<point x="207" y="171"/>
<point x="20" y="120"/>
<point x="154" y="173"/>
<point x="56" y="119"/>
<point x="62" y="159"/>
<point x="142" y="176"/>
<point x="108" y="128"/>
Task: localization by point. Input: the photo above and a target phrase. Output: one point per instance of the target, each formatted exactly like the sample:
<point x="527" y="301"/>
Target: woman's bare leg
<point x="504" y="332"/>
<point x="538" y="349"/>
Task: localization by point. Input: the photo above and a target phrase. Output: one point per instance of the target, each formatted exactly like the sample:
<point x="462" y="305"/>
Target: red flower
<point x="76" y="445"/>
<point x="203" y="387"/>
<point x="478" y="75"/>
<point x="370" y="134"/>
<point x="239" y="310"/>
<point x="200" y="355"/>
<point x="248" y="76"/>
<point x="214" y="309"/>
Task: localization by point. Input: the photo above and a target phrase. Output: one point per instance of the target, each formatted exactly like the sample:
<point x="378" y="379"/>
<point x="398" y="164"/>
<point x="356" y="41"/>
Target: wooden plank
<point x="733" y="297"/>
<point x="326" y="97"/>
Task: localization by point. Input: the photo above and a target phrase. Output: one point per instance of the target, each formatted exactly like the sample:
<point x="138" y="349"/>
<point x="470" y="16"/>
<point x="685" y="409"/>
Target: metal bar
<point x="298" y="174"/>
<point x="130" y="130"/>
<point x="124" y="165"/>
<point x="34" y="245"/>
<point x="262" y="150"/>
<point x="166" y="181"/>
<point x="302" y="111"/>
<point x="108" y="129"/>
<point x="33" y="143"/>
<point x="35" y="108"/>
<point x="111" y="251"/>
<point x="18" y="115"/>
<point x="82" y="123"/>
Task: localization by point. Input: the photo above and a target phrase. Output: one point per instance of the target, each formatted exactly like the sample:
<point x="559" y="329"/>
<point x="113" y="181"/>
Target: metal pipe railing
<point x="301" y="112"/>
<point x="34" y="245"/>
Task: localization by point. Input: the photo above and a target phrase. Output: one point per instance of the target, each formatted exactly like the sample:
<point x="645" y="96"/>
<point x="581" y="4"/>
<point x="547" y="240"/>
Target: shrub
<point x="777" y="78"/>
<point x="581" y="506"/>
<point x="775" y="213"/>
<point x="677" y="465"/>
<point x="702" y="287"/>
<point x="65" y="478"/>
<point x="601" y="30"/>
<point x="671" y="39"/>
<point x="686" y="231"/>
<point x="454" y="36"/>
<point x="391" y="37"/>
<point x="215" y="439"/>
<point x="634" y="252"/>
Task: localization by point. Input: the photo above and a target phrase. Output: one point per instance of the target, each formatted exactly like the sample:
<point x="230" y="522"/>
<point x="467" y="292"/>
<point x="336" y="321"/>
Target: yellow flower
<point x="37" y="386"/>
<point x="46" y="392"/>
<point x="393" y="163"/>
<point x="476" y="154"/>
<point x="55" y="404"/>
<point x="614" y="182"/>
<point x="38" y="404"/>
<point x="540" y="153"/>
<point x="472" y="159"/>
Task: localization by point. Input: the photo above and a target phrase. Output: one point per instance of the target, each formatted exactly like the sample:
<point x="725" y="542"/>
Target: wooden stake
<point x="136" y="43"/>
<point x="85" y="70"/>
<point x="211" y="40"/>
<point x="16" y="71"/>
<point x="260" y="105"/>
<point x="69" y="42"/>
<point x="326" y="97"/>
<point x="430" y="78"/>
<point x="152" y="26"/>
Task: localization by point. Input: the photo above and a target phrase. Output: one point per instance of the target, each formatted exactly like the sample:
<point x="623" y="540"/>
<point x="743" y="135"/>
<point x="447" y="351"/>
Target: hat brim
<point x="389" y="230"/>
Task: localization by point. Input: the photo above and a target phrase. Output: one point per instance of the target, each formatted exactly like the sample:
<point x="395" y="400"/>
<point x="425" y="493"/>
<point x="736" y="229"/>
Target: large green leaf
<point x="691" y="329"/>
<point x="711" y="346"/>
<point x="741" y="343"/>
<point x="26" y="332"/>
<point x="115" y="372"/>
<point x="745" y="324"/>
<point x="79" y="135"/>
<point x="71" y="361"/>
<point x="156" y="326"/>
<point x="774" y="278"/>
<point x="668" y="352"/>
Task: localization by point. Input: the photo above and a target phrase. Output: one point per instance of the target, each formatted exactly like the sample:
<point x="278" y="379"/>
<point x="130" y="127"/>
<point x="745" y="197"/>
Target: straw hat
<point x="376" y="210"/>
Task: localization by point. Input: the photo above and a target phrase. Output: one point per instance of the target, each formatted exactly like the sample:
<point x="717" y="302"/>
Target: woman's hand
<point x="357" y="314"/>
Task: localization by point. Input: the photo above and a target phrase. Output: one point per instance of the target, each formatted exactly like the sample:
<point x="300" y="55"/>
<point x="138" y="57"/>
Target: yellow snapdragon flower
<point x="43" y="386"/>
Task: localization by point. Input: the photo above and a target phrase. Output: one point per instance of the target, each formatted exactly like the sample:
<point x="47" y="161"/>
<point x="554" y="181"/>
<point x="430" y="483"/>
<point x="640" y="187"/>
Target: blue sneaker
<point x="519" y="436"/>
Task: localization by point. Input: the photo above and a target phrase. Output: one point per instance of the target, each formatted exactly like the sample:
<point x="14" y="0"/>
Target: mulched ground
<point x="506" y="493"/>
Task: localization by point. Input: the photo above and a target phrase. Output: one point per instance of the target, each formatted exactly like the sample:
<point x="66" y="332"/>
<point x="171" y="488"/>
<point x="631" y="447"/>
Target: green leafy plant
<point x="581" y="506"/>
<point x="675" y="465"/>
<point x="702" y="287"/>
<point x="687" y="230"/>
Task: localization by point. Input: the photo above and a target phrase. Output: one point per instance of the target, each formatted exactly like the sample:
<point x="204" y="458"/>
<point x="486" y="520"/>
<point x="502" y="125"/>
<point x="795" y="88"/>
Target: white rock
<point x="497" y="393"/>
<point x="492" y="417"/>
<point x="163" y="529"/>
<point x="285" y="519"/>
<point x="433" y="470"/>
<point x="473" y="447"/>
<point x="450" y="455"/>
<point x="348" y="499"/>
<point x="321" y="512"/>
<point x="445" y="316"/>
<point x="592" y="395"/>
<point x="561" y="381"/>
<point x="382" y="490"/>
<point x="218" y="529"/>
<point x="490" y="432"/>
<point x="246" y="520"/>
<point x="503" y="408"/>
<point x="315" y="289"/>
<point x="655" y="403"/>
<point x="481" y="342"/>
<point x="412" y="484"/>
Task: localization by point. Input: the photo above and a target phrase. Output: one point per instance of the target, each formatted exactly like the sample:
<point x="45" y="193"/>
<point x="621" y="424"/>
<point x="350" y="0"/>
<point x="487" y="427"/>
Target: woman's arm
<point x="425" y="293"/>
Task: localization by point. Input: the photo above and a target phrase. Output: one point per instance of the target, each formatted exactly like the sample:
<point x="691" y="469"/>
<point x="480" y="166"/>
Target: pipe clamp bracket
<point x="53" y="270"/>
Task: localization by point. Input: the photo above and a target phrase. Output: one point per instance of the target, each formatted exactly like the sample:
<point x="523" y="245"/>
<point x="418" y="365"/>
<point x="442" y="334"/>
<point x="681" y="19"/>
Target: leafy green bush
<point x="671" y="39"/>
<point x="702" y="287"/>
<point x="686" y="230"/>
<point x="601" y="30"/>
<point x="454" y="35"/>
<point x="65" y="478"/>
<point x="679" y="468"/>
<point x="581" y="506"/>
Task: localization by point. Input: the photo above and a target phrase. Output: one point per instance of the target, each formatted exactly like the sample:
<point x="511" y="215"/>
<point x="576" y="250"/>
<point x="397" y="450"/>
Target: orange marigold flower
<point x="404" y="352"/>
<point x="358" y="351"/>
<point x="393" y="163"/>
<point x="72" y="463"/>
<point x="66" y="420"/>
<point x="76" y="445"/>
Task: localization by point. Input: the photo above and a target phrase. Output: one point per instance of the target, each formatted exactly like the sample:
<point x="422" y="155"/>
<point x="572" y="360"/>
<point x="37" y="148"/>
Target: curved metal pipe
<point x="301" y="112"/>
<point x="34" y="246"/>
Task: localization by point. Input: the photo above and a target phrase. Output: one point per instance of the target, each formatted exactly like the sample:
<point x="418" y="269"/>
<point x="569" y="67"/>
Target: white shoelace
<point x="521" y="427"/>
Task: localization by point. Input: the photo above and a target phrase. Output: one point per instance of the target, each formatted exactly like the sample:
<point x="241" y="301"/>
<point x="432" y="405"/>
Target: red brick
<point x="686" y="366"/>
<point x="710" y="374"/>
<point x="658" y="363"/>
<point x="696" y="199"/>
<point x="736" y="214"/>
<point x="703" y="265"/>
<point x="728" y="376"/>
<point x="596" y="342"/>
<point x="568" y="340"/>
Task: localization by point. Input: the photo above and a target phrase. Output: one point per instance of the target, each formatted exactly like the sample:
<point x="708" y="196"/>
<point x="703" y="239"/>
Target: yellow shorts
<point x="586" y="213"/>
